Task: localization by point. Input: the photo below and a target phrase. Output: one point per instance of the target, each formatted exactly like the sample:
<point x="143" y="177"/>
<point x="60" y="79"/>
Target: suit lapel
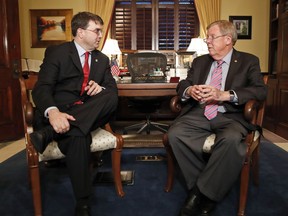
<point x="75" y="57"/>
<point x="94" y="61"/>
<point x="233" y="68"/>
<point x="205" y="71"/>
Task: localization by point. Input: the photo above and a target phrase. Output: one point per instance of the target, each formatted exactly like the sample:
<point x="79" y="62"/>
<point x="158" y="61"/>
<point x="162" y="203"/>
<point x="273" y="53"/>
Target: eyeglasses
<point x="212" y="38"/>
<point x="96" y="31"/>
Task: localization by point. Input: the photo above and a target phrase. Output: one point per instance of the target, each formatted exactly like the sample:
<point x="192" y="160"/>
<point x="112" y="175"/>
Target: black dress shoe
<point x="41" y="138"/>
<point x="54" y="163"/>
<point x="82" y="211"/>
<point x="206" y="206"/>
<point x="191" y="206"/>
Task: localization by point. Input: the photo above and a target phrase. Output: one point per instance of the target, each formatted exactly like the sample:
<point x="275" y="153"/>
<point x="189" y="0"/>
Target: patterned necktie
<point x="211" y="109"/>
<point x="86" y="71"/>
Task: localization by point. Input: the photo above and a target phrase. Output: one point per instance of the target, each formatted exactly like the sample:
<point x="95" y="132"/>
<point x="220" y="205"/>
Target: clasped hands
<point x="204" y="93"/>
<point x="60" y="120"/>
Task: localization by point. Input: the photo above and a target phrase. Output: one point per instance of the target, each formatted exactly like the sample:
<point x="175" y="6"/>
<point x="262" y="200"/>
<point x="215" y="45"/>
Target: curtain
<point x="104" y="9"/>
<point x="208" y="12"/>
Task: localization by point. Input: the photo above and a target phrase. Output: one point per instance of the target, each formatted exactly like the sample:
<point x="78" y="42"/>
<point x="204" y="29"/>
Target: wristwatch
<point x="232" y="95"/>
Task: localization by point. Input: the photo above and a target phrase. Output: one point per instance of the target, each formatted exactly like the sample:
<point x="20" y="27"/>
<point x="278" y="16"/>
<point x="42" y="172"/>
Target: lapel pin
<point x="235" y="61"/>
<point x="96" y="60"/>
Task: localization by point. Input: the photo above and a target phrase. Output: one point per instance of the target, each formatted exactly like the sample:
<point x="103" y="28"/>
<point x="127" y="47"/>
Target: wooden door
<point x="282" y="74"/>
<point x="11" y="123"/>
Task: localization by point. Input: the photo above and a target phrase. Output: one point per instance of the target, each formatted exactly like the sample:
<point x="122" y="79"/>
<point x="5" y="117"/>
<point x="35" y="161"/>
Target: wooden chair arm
<point x="251" y="111"/>
<point x="29" y="113"/>
<point x="175" y="104"/>
<point x="120" y="140"/>
<point x="107" y="127"/>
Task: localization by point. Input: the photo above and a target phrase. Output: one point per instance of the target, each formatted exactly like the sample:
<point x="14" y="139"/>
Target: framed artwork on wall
<point x="243" y="25"/>
<point x="50" y="26"/>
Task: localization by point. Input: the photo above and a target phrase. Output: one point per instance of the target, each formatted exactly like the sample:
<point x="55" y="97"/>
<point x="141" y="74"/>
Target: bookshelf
<point x="273" y="44"/>
<point x="276" y="116"/>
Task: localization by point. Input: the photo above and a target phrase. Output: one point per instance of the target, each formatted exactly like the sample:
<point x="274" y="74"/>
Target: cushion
<point x="210" y="140"/>
<point x="101" y="140"/>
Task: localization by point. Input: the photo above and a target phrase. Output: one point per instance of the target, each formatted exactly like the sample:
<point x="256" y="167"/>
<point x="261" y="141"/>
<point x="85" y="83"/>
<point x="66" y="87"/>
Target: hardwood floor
<point x="8" y="149"/>
<point x="277" y="140"/>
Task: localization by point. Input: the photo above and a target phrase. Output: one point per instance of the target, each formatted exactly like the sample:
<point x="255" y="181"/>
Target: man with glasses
<point x="74" y="95"/>
<point x="214" y="93"/>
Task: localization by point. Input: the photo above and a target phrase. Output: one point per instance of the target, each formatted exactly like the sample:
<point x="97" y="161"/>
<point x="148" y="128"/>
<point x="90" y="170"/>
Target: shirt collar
<point x="227" y="58"/>
<point x="80" y="50"/>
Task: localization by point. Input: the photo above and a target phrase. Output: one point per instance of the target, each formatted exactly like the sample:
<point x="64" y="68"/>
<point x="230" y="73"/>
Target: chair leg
<point x="145" y="126"/>
<point x="36" y="189"/>
<point x="134" y="126"/>
<point x="255" y="166"/>
<point x="170" y="164"/>
<point x="34" y="176"/>
<point x="161" y="127"/>
<point x="244" y="182"/>
<point x="116" y="169"/>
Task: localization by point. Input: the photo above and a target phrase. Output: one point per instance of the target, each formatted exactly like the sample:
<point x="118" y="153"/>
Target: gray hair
<point x="226" y="28"/>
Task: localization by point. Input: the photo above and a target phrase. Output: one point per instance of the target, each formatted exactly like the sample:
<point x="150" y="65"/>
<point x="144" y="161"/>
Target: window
<point x="154" y="24"/>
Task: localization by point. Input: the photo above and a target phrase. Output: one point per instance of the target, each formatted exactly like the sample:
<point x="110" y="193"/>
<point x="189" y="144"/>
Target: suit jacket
<point x="244" y="77"/>
<point x="61" y="75"/>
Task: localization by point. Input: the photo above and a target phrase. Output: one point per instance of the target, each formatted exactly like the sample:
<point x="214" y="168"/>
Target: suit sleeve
<point x="248" y="81"/>
<point x="47" y="78"/>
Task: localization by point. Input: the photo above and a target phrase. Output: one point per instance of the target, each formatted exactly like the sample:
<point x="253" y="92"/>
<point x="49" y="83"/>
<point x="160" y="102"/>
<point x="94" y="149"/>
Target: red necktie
<point x="86" y="71"/>
<point x="211" y="109"/>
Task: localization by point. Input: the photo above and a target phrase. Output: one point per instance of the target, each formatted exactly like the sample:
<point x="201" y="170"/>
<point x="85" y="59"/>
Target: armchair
<point x="254" y="111"/>
<point x="102" y="139"/>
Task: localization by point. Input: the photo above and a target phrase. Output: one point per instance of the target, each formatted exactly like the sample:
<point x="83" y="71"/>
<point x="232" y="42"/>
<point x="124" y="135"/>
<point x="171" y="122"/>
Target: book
<point x="31" y="65"/>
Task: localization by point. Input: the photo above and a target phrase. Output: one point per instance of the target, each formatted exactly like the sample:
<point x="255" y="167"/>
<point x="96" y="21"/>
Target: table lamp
<point x="198" y="46"/>
<point x="111" y="48"/>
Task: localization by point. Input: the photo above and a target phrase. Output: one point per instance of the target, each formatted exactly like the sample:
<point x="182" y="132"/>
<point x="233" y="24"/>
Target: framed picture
<point x="50" y="27"/>
<point x="243" y="25"/>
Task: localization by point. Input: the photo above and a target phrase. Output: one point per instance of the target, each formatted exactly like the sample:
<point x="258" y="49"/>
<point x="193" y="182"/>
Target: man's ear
<point x="80" y="32"/>
<point x="228" y="40"/>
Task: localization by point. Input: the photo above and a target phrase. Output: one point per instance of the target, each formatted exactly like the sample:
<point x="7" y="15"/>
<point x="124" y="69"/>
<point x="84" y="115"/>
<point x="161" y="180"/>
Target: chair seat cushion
<point x="101" y="140"/>
<point x="210" y="140"/>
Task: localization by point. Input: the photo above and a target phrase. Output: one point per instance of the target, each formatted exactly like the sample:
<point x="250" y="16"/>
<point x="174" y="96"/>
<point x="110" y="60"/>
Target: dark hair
<point x="81" y="20"/>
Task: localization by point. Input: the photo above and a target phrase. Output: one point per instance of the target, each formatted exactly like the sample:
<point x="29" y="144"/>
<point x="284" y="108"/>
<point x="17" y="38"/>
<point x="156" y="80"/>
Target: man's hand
<point x="206" y="93"/>
<point x="60" y="120"/>
<point x="93" y="88"/>
<point x="195" y="92"/>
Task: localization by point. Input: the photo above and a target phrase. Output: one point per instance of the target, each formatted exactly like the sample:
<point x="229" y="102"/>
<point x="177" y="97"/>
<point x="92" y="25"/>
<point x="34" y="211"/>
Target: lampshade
<point x="111" y="47"/>
<point x="197" y="45"/>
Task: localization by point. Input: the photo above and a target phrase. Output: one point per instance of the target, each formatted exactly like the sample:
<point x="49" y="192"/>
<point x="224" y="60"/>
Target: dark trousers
<point x="77" y="152"/>
<point x="94" y="113"/>
<point x="75" y="144"/>
<point x="186" y="137"/>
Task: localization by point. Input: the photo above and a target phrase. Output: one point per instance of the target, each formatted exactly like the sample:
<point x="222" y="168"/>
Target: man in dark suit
<point x="71" y="104"/>
<point x="240" y="80"/>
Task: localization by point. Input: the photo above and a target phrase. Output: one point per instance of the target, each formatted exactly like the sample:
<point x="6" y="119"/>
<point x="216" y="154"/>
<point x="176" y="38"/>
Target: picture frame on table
<point x="50" y="27"/>
<point x="243" y="25"/>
